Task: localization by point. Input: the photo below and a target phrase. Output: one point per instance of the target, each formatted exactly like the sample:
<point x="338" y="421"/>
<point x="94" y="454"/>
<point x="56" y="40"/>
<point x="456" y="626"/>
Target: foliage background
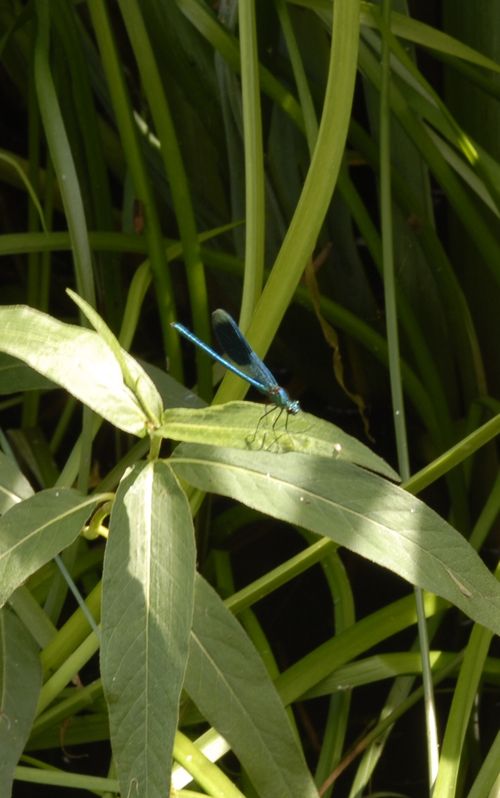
<point x="149" y="235"/>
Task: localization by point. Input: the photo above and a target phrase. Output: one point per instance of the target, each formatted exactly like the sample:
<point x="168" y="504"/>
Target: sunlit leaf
<point x="80" y="361"/>
<point x="356" y="509"/>
<point x="134" y="376"/>
<point x="35" y="530"/>
<point x="246" y="425"/>
<point x="147" y="610"/>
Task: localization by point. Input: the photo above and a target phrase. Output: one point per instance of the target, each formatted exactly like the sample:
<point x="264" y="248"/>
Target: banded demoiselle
<point x="240" y="358"/>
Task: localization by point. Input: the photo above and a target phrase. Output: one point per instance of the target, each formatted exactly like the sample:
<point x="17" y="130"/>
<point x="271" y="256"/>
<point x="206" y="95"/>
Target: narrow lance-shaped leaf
<point x="247" y="425"/>
<point x="20" y="681"/>
<point x="14" y="487"/>
<point x="147" y="608"/>
<point x="80" y="361"/>
<point x="134" y="377"/>
<point x="17" y="376"/>
<point x="357" y="509"/>
<point x="35" y="530"/>
<point x="227" y="680"/>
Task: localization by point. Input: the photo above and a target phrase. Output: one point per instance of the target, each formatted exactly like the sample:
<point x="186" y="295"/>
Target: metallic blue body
<point x="241" y="359"/>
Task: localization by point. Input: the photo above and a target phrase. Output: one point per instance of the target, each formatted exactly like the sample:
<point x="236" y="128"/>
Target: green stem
<point x="60" y="778"/>
<point x="317" y="191"/>
<point x="68" y="670"/>
<point x="208" y="775"/>
<point x="62" y="158"/>
<point x="142" y="184"/>
<point x="255" y="214"/>
<point x="398" y="406"/>
<point x="178" y="183"/>
<point x="451" y="458"/>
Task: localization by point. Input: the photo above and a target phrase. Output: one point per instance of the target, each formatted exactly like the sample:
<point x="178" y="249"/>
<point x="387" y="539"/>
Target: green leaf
<point x="147" y="607"/>
<point x="405" y="27"/>
<point x="136" y="378"/>
<point x="228" y="682"/>
<point x="357" y="509"/>
<point x="13" y="484"/>
<point x="419" y="33"/>
<point x="20" y="682"/>
<point x="81" y="362"/>
<point x="34" y="531"/>
<point x="17" y="376"/>
<point x="173" y="393"/>
<point x="15" y="164"/>
<point x="246" y="425"/>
